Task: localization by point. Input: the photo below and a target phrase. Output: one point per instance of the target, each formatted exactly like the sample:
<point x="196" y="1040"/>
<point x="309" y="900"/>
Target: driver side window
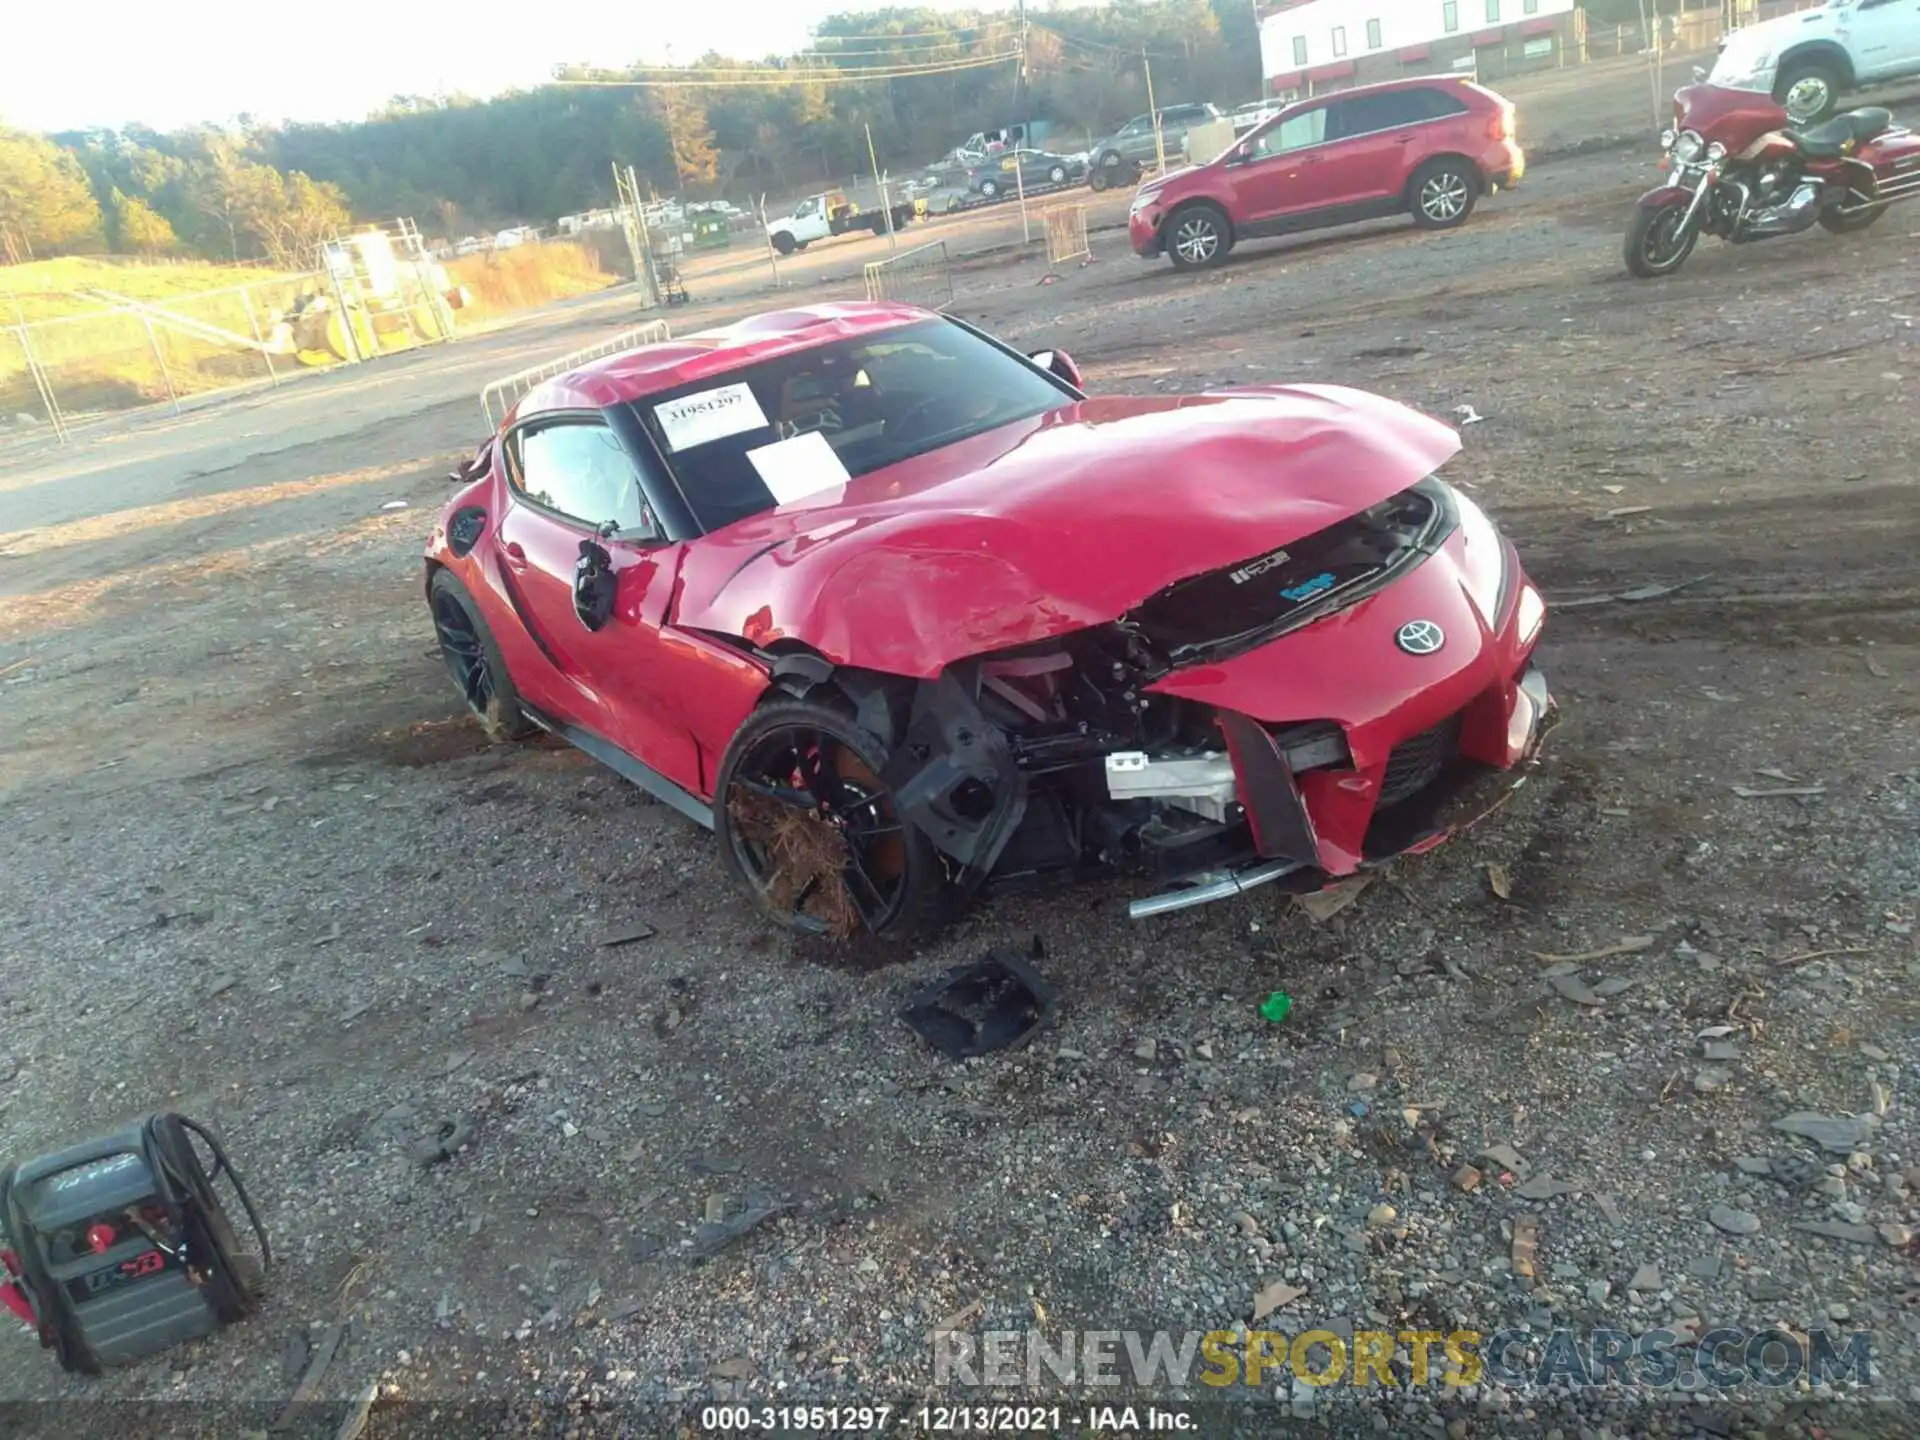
<point x="578" y="469"/>
<point x="1136" y="127"/>
<point x="1296" y="132"/>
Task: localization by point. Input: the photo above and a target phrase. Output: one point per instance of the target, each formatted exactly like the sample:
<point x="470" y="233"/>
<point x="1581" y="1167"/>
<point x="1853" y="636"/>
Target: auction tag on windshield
<point x="710" y="415"/>
<point x="800" y="468"/>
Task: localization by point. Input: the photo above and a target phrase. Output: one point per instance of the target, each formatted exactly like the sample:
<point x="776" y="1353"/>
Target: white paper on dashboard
<point x="797" y="468"/>
<point x="710" y="415"/>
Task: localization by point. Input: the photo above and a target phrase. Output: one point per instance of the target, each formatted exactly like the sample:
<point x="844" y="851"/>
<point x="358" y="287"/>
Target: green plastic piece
<point x="1277" y="1006"/>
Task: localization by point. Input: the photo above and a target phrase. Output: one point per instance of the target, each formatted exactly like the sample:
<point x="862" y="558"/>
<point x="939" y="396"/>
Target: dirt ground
<point x="261" y="868"/>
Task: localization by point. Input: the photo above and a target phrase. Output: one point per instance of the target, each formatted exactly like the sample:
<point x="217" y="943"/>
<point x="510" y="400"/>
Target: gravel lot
<point x="261" y="868"/>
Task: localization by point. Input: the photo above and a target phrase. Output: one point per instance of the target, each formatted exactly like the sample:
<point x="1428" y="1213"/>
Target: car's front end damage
<point x="1295" y="717"/>
<point x="1203" y="643"/>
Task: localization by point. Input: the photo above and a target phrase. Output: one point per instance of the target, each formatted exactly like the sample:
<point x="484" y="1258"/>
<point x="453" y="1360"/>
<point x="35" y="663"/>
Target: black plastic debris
<point x="999" y="1003"/>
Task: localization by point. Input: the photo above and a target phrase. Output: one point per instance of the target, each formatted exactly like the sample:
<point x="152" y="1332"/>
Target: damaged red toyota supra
<point x="903" y="615"/>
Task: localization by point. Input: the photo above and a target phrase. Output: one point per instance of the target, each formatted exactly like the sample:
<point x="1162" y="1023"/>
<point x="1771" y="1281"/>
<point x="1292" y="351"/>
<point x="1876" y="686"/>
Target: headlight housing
<point x="1716" y="152"/>
<point x="1688" y="147"/>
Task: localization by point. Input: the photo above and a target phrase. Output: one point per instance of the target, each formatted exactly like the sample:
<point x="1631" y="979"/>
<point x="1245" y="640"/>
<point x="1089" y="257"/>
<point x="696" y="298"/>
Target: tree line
<point x="918" y="81"/>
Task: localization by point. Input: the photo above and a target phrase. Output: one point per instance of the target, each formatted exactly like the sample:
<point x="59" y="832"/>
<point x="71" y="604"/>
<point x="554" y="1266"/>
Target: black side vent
<point x="465" y="528"/>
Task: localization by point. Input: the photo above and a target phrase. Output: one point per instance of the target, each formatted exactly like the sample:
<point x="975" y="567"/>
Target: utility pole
<point x="880" y="189"/>
<point x="1159" y="140"/>
<point x="1023" y="82"/>
<point x="1259" y="50"/>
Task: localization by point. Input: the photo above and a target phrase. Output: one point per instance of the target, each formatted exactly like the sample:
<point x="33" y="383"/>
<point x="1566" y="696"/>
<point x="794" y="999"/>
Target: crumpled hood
<point x="1053" y="524"/>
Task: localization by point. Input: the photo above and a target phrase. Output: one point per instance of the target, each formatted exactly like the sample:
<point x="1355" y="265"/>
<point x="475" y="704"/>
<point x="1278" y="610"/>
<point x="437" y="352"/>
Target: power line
<point x="918" y="34"/>
<point x="776" y="79"/>
<point x="692" y="74"/>
<point x="1125" y="51"/>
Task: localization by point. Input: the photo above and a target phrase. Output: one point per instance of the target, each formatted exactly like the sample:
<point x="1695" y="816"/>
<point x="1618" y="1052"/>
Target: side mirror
<point x="1699" y="74"/>
<point x="1060" y="365"/>
<point x="593" y="585"/>
<point x="1242" y="152"/>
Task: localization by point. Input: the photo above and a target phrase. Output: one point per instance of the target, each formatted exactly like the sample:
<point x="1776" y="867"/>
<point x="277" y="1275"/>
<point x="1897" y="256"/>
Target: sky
<point x="173" y="63"/>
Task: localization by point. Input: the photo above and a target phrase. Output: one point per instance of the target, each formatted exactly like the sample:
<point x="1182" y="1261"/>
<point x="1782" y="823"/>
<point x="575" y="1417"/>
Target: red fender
<point x="1664" y="197"/>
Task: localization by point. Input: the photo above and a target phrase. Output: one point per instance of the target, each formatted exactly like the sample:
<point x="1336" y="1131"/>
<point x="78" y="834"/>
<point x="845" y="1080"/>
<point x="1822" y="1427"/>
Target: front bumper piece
<point x="1532" y="715"/>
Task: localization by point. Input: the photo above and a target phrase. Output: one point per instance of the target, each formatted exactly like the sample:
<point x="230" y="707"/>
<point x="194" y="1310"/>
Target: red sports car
<point x="901" y="613"/>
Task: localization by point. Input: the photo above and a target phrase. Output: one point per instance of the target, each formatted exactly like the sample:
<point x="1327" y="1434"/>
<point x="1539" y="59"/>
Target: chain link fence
<point x="128" y="352"/>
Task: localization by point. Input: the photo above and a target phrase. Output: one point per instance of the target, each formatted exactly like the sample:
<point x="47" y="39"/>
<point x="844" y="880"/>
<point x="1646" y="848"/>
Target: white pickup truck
<point x="1808" y="60"/>
<point x="831" y="213"/>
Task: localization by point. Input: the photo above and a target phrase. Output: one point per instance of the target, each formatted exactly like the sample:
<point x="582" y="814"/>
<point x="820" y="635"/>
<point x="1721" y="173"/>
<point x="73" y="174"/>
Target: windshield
<point x="804" y="424"/>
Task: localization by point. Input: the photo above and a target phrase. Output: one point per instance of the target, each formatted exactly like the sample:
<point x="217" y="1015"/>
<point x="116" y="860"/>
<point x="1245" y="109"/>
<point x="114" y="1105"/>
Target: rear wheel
<point x="1808" y="91"/>
<point x="989" y="188"/>
<point x="1197" y="237"/>
<point x="1098" y="179"/>
<point x="783" y="242"/>
<point x="473" y="660"/>
<point x="1443" y="193"/>
<point x="1057" y="175"/>
<point x="806" y="827"/>
<point x="1659" y="241"/>
<point x="1857" y="218"/>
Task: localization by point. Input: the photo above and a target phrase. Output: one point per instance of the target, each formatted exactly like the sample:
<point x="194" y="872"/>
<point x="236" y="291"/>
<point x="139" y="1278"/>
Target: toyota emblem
<point x="1420" y="637"/>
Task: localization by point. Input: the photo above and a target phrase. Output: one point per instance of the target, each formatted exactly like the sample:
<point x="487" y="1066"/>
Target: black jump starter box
<point x="117" y="1247"/>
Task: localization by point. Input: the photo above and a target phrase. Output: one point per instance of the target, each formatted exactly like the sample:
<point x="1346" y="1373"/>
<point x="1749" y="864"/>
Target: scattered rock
<point x="1753" y="1164"/>
<point x="1382" y="1215"/>
<point x="1721" y="1050"/>
<point x="1323" y="905"/>
<point x="1270" y="1298"/>
<point x="1647" y="1277"/>
<point x="1146" y="1050"/>
<point x="449" y="1139"/>
<point x="1504" y="1157"/>
<point x="1525" y="1253"/>
<point x="1365" y="1080"/>
<point x="627" y="934"/>
<point x="1544" y="1187"/>
<point x="1899" y="1236"/>
<point x="1467" y="1178"/>
<point x="1841" y="1133"/>
<point x="739" y="1367"/>
<point x="1734" y="1222"/>
<point x="1710" y="1078"/>
<point x="1839" y="1230"/>
<point x="1248" y="1226"/>
<point x="1706" y="1267"/>
<point x="1572" y="987"/>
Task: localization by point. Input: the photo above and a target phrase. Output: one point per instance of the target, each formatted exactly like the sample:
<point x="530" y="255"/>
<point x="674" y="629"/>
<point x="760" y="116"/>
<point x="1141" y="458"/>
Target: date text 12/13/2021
<point x="941" y="1419"/>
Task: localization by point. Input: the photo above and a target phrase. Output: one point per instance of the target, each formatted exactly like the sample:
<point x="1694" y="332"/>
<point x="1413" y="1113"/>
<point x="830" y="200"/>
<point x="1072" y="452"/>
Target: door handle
<point x="516" y="555"/>
<point x="1403" y="139"/>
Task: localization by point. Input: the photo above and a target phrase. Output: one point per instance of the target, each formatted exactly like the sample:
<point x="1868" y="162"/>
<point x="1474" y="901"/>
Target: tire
<point x="1197" y="237"/>
<point x="1650" y="254"/>
<point x="906" y="868"/>
<point x="1836" y="224"/>
<point x="783" y="242"/>
<point x="988" y="189"/>
<point x="1442" y="194"/>
<point x="1809" y="90"/>
<point x="1057" y="175"/>
<point x="489" y="693"/>
<point x="1096" y="179"/>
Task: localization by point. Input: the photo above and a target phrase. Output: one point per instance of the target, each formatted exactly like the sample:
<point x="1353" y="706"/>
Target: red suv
<point x="1430" y="146"/>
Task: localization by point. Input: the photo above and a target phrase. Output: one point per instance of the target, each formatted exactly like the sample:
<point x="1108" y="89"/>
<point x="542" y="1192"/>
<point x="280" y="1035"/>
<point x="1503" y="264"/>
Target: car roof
<point x="653" y="369"/>
<point x="1410" y="82"/>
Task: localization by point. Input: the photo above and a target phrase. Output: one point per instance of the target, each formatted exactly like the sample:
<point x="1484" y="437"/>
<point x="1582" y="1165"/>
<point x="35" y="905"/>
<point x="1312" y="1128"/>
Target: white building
<point x="1317" y="42"/>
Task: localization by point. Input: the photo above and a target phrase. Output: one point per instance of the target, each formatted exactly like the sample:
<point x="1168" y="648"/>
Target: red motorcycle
<point x="1740" y="170"/>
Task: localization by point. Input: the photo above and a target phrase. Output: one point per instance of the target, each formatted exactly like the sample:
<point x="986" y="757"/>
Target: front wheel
<point x="1057" y="175"/>
<point x="808" y="830"/>
<point x="783" y="242"/>
<point x="1808" y="93"/>
<point x="989" y="189"/>
<point x="1659" y="241"/>
<point x="474" y="661"/>
<point x="1197" y="238"/>
<point x="1098" y="179"/>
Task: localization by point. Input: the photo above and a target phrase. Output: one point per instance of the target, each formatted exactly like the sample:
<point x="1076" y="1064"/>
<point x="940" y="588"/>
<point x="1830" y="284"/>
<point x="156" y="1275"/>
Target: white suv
<point x="1809" y="59"/>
